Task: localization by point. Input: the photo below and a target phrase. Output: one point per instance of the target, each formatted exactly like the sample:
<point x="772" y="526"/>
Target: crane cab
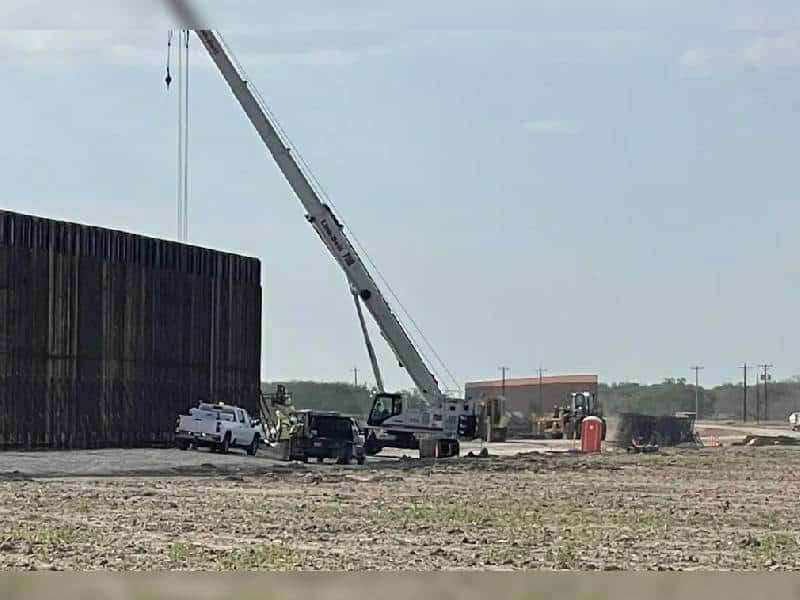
<point x="384" y="407"/>
<point x="390" y="424"/>
<point x="400" y="422"/>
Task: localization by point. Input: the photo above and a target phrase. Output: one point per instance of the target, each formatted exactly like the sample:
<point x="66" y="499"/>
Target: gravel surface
<point x="728" y="508"/>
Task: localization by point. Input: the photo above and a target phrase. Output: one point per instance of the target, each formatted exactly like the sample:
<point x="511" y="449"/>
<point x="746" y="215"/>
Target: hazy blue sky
<point x="596" y="187"/>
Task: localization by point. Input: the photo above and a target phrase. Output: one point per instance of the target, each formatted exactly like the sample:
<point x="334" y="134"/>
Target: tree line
<point x="668" y="397"/>
<point x="724" y="401"/>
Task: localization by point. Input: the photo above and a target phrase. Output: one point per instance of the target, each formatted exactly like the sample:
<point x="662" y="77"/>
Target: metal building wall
<point x="105" y="336"/>
<point x="523" y="395"/>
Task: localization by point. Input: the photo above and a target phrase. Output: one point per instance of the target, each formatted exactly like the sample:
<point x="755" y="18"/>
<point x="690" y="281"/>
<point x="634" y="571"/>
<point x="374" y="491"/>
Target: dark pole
<point x="355" y="376"/>
<point x="503" y="388"/>
<point x="758" y="400"/>
<point x="541" y="395"/>
<point x="744" y="399"/>
<point x="696" y="370"/>
<point x="765" y="377"/>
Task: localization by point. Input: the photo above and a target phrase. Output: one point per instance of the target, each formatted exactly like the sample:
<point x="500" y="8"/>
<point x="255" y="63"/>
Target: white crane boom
<point x="324" y="222"/>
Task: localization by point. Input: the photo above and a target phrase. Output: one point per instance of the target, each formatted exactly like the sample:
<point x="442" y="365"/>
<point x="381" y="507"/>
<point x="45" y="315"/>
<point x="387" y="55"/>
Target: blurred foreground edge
<point x="357" y="586"/>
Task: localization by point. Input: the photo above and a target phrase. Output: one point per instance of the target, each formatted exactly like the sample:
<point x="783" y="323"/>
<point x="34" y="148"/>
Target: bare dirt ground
<point x="721" y="508"/>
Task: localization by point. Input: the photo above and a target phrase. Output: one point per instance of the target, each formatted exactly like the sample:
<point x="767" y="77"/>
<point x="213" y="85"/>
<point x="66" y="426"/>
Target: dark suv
<point x="328" y="435"/>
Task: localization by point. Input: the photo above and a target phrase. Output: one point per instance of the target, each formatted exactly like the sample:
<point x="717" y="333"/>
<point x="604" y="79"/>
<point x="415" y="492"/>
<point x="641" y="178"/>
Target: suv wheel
<point x="372" y="446"/>
<point x="346" y="458"/>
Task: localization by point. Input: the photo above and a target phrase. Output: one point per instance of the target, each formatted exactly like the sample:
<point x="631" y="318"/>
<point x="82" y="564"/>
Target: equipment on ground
<point x="659" y="430"/>
<point x="278" y="414"/>
<point x="300" y="434"/>
<point x="393" y="421"/>
<point x="220" y="427"/>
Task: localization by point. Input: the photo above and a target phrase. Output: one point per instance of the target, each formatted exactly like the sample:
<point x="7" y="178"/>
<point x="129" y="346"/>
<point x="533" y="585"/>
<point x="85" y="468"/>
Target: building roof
<point x="525" y="381"/>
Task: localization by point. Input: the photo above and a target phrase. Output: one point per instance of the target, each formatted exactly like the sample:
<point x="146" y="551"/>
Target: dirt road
<point x="729" y="508"/>
<point x="159" y="462"/>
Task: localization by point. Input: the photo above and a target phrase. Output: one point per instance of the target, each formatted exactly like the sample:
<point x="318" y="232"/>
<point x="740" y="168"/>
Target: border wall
<point x="106" y="336"/>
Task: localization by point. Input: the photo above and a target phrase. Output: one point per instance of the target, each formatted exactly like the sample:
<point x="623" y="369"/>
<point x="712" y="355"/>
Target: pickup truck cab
<point x="220" y="427"/>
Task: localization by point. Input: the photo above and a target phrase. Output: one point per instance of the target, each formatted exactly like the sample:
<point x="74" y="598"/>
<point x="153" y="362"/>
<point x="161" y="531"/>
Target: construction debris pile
<point x="637" y="430"/>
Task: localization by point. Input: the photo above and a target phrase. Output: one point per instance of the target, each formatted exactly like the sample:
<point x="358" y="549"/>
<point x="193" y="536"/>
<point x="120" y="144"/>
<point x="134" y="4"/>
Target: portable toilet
<point x="591" y="434"/>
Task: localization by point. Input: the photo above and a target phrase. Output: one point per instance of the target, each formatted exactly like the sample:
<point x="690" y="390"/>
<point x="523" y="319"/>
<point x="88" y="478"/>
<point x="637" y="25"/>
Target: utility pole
<point x="355" y="376"/>
<point x="745" y="366"/>
<point x="765" y="377"/>
<point x="697" y="369"/>
<point x="541" y="394"/>
<point x="758" y="401"/>
<point x="503" y="370"/>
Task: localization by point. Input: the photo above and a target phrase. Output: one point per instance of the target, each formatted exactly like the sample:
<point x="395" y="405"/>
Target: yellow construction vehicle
<point x="279" y="415"/>
<point x="565" y="421"/>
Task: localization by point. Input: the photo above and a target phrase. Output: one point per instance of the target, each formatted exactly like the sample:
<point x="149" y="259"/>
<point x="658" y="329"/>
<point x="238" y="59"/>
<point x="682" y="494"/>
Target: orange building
<point x="530" y="395"/>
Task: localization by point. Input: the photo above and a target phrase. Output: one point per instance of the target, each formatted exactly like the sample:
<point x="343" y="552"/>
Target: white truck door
<point x="245" y="428"/>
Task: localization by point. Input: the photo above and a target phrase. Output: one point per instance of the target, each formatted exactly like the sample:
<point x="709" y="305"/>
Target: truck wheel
<point x="253" y="449"/>
<point x="182" y="445"/>
<point x="346" y="458"/>
<point x="225" y="445"/>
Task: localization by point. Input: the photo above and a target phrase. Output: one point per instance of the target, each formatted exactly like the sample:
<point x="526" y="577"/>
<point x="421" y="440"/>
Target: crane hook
<point x="168" y="78"/>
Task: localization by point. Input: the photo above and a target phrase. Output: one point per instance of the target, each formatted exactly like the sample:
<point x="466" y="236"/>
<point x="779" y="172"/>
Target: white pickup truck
<point x="220" y="427"/>
<point x="794" y="421"/>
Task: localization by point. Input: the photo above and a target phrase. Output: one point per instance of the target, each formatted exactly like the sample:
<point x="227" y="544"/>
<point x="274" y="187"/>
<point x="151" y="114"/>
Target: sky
<point x="585" y="187"/>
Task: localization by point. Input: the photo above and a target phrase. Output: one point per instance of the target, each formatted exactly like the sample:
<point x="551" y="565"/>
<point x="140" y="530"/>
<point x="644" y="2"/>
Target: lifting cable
<point x="186" y="142"/>
<point x="183" y="127"/>
<point x="180" y="138"/>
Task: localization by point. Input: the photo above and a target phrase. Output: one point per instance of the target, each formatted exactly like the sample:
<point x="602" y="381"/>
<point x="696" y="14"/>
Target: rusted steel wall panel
<point x="106" y="336"/>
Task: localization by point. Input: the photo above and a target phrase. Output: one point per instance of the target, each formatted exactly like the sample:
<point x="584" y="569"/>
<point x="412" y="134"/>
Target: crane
<point x="392" y="421"/>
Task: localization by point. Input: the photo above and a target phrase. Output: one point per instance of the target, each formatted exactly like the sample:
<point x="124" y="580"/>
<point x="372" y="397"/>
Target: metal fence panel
<point x="106" y="336"/>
